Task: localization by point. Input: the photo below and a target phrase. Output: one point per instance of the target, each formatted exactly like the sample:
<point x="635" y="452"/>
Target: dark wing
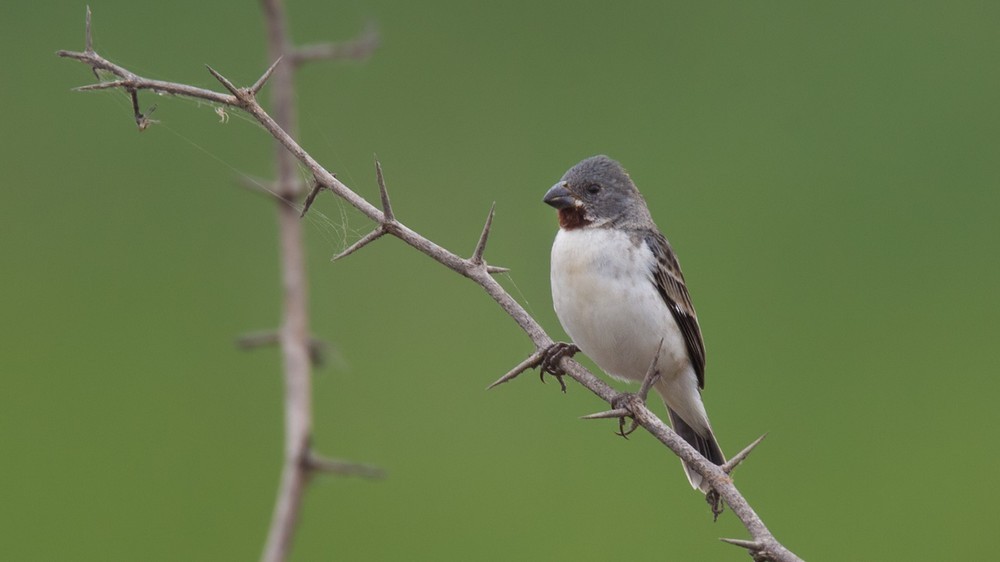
<point x="670" y="284"/>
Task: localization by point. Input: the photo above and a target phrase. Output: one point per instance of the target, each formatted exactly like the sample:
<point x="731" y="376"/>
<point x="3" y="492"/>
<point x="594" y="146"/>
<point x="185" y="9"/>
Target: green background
<point x="828" y="174"/>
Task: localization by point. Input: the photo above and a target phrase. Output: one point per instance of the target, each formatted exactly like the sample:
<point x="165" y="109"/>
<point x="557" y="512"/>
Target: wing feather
<point x="670" y="284"/>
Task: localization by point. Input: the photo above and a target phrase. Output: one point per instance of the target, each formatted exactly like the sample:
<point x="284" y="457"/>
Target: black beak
<point x="559" y="196"/>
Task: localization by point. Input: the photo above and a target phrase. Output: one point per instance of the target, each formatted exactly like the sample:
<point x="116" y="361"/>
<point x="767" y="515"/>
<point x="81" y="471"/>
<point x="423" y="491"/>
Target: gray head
<point x="598" y="192"/>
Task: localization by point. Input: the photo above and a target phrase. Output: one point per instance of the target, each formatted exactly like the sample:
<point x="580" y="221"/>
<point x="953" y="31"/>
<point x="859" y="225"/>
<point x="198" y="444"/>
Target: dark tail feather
<point x="706" y="445"/>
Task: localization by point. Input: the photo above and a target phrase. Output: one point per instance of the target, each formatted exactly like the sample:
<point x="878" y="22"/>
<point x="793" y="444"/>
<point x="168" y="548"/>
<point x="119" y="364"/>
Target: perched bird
<point x="618" y="291"/>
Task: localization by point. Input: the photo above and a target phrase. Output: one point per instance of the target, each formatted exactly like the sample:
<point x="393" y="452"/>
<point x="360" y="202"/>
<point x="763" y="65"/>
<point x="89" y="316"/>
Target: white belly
<point x="605" y="297"/>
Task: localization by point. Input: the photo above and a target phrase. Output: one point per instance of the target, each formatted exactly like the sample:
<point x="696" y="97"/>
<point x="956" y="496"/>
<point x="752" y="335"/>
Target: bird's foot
<point x="622" y="403"/>
<point x="551" y="359"/>
<point x="715" y="503"/>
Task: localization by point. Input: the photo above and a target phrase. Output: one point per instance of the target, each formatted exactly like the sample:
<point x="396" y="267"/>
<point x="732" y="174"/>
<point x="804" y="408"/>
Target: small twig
<point x="316" y="188"/>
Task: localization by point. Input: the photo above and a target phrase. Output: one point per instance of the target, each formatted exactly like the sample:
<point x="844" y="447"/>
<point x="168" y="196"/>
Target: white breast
<point x="605" y="297"/>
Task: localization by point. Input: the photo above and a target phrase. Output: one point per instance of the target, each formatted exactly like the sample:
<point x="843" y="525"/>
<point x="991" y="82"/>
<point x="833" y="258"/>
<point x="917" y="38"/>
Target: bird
<point x="618" y="291"/>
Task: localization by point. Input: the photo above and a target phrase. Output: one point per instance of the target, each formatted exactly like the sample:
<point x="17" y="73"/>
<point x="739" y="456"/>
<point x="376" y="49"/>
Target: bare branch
<point x="732" y="463"/>
<point x="129" y="80"/>
<point x="477" y="254"/>
<point x="496" y="269"/>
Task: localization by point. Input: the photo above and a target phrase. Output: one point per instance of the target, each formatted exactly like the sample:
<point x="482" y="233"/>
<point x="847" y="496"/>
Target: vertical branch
<point x="294" y="334"/>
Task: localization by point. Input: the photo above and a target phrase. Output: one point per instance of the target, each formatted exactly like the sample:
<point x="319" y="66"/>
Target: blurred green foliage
<point x="827" y="173"/>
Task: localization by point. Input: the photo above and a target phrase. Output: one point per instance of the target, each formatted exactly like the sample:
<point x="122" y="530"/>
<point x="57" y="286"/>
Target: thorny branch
<point x="299" y="350"/>
<point x="762" y="546"/>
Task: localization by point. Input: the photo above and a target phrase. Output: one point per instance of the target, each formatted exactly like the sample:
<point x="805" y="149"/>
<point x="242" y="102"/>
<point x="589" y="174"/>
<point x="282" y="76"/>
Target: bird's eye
<point x="593" y="188"/>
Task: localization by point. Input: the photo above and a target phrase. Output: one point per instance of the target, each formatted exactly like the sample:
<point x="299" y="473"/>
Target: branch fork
<point x="246" y="97"/>
<point x="387" y="225"/>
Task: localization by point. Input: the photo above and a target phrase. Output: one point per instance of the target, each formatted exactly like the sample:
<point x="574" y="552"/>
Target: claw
<point x="621" y="427"/>
<point x="551" y="359"/>
<point x="558" y="377"/>
<point x="621" y="403"/>
<point x="715" y="502"/>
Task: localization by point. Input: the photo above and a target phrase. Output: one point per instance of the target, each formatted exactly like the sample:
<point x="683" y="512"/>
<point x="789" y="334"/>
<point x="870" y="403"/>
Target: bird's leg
<point x="551" y="359"/>
<point x="623" y="400"/>
<point x="621" y="403"/>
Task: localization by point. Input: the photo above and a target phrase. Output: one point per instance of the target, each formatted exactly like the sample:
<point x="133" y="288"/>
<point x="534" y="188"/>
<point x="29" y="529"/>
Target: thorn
<point x="477" y="255"/>
<point x="732" y="463"/>
<point x="364" y="241"/>
<point x="317" y="187"/>
<point x="264" y="77"/>
<point x="749" y="545"/>
<point x="318" y="463"/>
<point x="533" y="360"/>
<point x="496" y="269"/>
<point x="101" y="86"/>
<point x="225" y="82"/>
<point x="388" y="216"/>
<point x="652" y="373"/>
<point x="89" y="40"/>
<point x="257" y="339"/>
<point x="617" y="413"/>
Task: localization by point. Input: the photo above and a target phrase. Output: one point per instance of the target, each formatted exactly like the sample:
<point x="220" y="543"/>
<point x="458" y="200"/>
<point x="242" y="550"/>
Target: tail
<point x="704" y="444"/>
